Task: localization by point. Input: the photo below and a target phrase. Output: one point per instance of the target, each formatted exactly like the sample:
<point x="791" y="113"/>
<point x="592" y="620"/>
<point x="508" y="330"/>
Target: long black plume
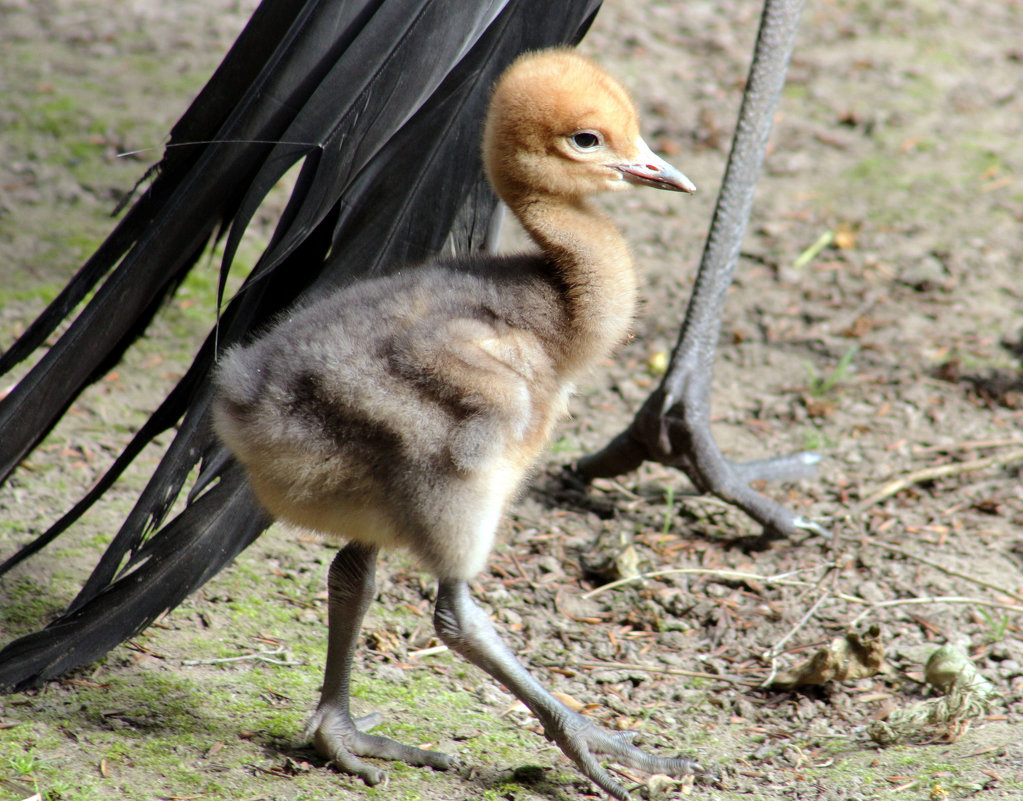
<point x="381" y="103"/>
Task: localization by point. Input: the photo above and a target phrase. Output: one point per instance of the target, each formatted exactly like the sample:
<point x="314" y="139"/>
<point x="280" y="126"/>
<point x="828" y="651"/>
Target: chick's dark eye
<point x="585" y="140"/>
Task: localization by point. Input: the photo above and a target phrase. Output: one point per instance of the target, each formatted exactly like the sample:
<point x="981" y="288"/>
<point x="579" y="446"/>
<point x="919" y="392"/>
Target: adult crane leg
<point x="673" y="425"/>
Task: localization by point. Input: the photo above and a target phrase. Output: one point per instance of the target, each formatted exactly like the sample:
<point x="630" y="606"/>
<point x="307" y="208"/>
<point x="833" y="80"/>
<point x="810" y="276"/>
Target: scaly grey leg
<point x="673" y="426"/>
<point x="335" y="734"/>
<point x="467" y="630"/>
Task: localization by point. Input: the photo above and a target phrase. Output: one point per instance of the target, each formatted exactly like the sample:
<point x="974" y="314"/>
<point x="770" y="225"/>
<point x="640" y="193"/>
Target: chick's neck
<point x="593" y="266"/>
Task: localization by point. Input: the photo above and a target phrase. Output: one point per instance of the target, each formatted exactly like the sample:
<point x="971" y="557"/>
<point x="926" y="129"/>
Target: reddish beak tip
<point x="651" y="170"/>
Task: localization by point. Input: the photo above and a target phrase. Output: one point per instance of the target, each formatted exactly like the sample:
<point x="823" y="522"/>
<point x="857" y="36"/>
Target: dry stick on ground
<point x="971" y="445"/>
<point x="947" y="571"/>
<point x="670" y="671"/>
<point x="938" y="471"/>
<point x="930" y="599"/>
<point x="784" y="579"/>
<point x="772" y="653"/>
<point x="258" y="656"/>
<point x="933" y="599"/>
<point x="727" y="575"/>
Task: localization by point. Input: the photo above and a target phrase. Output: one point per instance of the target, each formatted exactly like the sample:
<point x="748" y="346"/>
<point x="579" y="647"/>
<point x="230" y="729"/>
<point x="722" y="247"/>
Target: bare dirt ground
<point x="875" y="319"/>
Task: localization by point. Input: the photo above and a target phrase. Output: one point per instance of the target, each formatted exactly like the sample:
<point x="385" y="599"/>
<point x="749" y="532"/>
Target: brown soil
<point x="892" y="350"/>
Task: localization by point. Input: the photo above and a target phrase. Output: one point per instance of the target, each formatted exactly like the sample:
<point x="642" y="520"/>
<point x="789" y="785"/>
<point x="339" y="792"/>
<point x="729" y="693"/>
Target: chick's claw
<point x="586" y="744"/>
<point x="341" y="740"/>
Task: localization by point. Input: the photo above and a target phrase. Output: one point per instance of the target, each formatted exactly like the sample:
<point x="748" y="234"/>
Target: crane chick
<point x="406" y="410"/>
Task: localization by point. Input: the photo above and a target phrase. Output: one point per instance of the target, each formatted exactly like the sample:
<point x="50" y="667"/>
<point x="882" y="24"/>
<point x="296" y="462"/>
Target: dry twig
<point x="937" y="471"/>
<point x="771" y="654"/>
<point x="258" y="656"/>
<point x="670" y="671"/>
<point x="946" y="570"/>
<point x="936" y="599"/>
<point x="728" y="575"/>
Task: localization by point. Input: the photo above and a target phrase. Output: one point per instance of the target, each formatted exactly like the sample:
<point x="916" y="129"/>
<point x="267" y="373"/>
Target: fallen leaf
<point x="572" y="703"/>
<point x="847" y="658"/>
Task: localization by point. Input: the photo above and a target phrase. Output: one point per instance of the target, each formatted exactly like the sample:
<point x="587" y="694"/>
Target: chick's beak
<point x="649" y="169"/>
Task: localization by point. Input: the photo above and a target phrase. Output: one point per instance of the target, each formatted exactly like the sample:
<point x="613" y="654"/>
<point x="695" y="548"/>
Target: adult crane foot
<point x="730" y="481"/>
<point x="683" y="440"/>
<point x="780" y="468"/>
<point x="342" y="740"/>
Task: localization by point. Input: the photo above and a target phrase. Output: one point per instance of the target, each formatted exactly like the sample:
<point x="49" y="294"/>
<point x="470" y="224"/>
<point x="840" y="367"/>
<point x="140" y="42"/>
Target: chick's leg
<point x="337" y="737"/>
<point x="467" y="630"/>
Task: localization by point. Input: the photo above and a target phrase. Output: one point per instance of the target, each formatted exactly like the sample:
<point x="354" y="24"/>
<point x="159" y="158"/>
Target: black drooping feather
<point x="381" y="101"/>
